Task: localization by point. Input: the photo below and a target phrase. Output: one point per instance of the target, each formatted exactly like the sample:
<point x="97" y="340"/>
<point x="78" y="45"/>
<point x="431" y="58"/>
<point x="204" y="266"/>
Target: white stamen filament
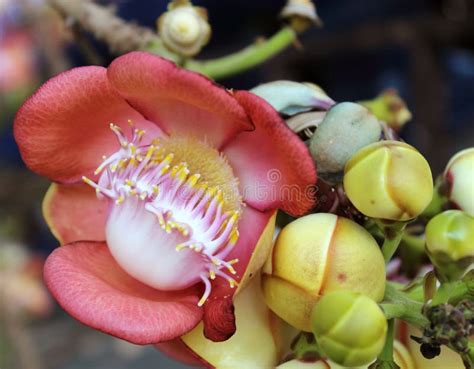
<point x="183" y="206"/>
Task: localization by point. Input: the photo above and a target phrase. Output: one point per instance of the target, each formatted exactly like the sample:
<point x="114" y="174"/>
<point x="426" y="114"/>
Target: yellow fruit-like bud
<point x="459" y="174"/>
<point x="450" y="243"/>
<point x="184" y="28"/>
<point x="318" y="254"/>
<point x="389" y="180"/>
<point x="350" y="328"/>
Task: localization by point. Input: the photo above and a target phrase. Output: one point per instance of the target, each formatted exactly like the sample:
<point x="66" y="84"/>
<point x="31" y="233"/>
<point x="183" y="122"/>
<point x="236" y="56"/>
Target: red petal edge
<point x="273" y="165"/>
<point x="63" y="129"/>
<point x="89" y="285"/>
<point x="181" y="102"/>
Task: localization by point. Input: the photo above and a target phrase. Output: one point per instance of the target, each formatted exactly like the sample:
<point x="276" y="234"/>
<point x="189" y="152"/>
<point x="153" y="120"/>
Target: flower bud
<point x="459" y="175"/>
<point x="350" y="328"/>
<point x="301" y="14"/>
<point x="346" y="128"/>
<point x="390" y="108"/>
<point x="315" y="255"/>
<point x="450" y="243"/>
<point x="184" y="28"/>
<point x="389" y="180"/>
<point x="290" y="98"/>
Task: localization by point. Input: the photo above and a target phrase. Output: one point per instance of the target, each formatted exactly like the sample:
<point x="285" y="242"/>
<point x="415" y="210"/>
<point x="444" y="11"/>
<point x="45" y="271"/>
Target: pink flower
<point x="185" y="198"/>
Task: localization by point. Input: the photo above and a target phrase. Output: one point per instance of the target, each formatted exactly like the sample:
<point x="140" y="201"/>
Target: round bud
<point x="347" y="128"/>
<point x="450" y="243"/>
<point x="350" y="328"/>
<point x="184" y="28"/>
<point x="389" y="180"/>
<point x="315" y="255"/>
<point x="459" y="174"/>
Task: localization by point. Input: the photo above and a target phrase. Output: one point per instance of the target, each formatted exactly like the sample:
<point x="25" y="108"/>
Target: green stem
<point x="390" y="244"/>
<point x="397" y="304"/>
<point x="450" y="292"/>
<point x="387" y="351"/>
<point x="244" y="59"/>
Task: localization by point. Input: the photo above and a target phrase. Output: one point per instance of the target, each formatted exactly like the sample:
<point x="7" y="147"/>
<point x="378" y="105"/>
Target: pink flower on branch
<point x="171" y="220"/>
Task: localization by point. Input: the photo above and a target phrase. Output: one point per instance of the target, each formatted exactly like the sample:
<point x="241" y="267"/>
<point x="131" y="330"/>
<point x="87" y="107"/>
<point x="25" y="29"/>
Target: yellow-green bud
<point x="459" y="174"/>
<point x="389" y="180"/>
<point x="346" y="128"/>
<point x="450" y="243"/>
<point x="317" y="254"/>
<point x="290" y="98"/>
<point x="184" y="28"/>
<point x="390" y="108"/>
<point x="350" y="328"/>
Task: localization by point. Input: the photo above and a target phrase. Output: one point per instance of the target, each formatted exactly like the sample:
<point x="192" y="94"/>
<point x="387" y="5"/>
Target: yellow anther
<point x="212" y="274"/>
<point x="233" y="261"/>
<point x="114" y="168"/>
<point x="130" y="122"/>
<point x="192" y="180"/>
<point x="232" y="283"/>
<point x="133" y="148"/>
<point x="202" y="301"/>
<point x="120" y="200"/>
<point x="155" y="189"/>
<point x="88" y="181"/>
<point x="139" y="132"/>
<point x="215" y="261"/>
<point x="129" y="183"/>
<point x="165" y="169"/>
<point x="234" y="236"/>
<point x="180" y="246"/>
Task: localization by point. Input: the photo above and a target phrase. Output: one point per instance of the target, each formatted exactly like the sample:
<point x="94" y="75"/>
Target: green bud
<point x="290" y="98"/>
<point x="459" y="175"/>
<point x="350" y="328"/>
<point x="390" y="108"/>
<point x="450" y="243"/>
<point x="347" y="128"/>
<point x="389" y="180"/>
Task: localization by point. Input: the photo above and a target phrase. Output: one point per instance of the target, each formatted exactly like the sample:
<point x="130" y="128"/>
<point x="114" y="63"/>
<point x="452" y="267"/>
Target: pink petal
<point x="74" y="213"/>
<point x="180" y="101"/>
<point x="273" y="165"/>
<point x="89" y="285"/>
<point x="254" y="244"/>
<point x="63" y="129"/>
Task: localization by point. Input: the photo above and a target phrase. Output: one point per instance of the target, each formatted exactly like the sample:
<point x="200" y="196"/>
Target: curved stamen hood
<point x="184" y="224"/>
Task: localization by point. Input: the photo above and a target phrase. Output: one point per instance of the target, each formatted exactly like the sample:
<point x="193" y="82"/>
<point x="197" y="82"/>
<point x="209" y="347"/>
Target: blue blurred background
<point x="423" y="48"/>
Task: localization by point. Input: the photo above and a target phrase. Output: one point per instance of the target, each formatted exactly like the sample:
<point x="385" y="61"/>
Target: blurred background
<point x="423" y="48"/>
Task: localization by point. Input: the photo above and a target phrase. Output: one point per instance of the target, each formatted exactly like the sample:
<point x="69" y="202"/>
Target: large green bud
<point x="350" y="328"/>
<point x="450" y="243"/>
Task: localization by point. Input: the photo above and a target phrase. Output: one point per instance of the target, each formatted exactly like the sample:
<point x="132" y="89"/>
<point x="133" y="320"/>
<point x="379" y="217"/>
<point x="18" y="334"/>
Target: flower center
<point x="175" y="207"/>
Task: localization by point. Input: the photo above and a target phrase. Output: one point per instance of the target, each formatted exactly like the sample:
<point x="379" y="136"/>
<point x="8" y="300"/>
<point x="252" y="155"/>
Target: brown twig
<point x="119" y="35"/>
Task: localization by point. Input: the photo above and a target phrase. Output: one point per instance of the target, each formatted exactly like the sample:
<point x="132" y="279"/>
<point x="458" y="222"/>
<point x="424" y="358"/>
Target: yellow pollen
<point x="212" y="274"/>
